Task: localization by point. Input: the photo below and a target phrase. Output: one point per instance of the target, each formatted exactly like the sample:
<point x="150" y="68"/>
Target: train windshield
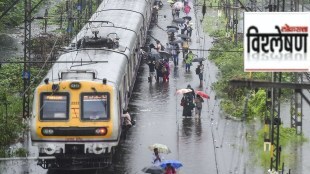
<point x="95" y="106"/>
<point x="54" y="106"/>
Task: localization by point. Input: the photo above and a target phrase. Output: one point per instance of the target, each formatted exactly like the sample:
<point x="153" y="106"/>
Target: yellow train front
<point x="75" y="118"/>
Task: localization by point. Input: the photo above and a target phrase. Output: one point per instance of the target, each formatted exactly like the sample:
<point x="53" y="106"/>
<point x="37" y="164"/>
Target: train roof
<point x="106" y="64"/>
<point x="122" y="17"/>
<point x="125" y="20"/>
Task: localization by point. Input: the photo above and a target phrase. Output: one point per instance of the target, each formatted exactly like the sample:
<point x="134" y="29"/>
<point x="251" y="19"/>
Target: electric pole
<point x="27" y="52"/>
<point x="235" y="21"/>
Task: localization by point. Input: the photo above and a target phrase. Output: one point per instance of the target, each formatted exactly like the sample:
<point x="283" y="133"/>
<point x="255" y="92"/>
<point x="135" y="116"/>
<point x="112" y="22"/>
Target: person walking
<point x="157" y="159"/>
<point x="175" y="54"/>
<point x="187" y="9"/>
<point x="199" y="72"/>
<point x="166" y="70"/>
<point x="169" y="169"/>
<point x="152" y="73"/>
<point x="198" y="105"/>
<point x="189" y="29"/>
<point x="188" y="60"/>
<point x="187" y="104"/>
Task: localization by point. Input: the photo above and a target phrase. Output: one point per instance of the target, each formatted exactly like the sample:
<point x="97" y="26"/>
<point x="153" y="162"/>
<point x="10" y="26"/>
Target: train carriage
<point x="77" y="108"/>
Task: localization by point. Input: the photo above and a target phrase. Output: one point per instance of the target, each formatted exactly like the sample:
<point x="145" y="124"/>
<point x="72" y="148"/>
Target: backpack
<point x="198" y="70"/>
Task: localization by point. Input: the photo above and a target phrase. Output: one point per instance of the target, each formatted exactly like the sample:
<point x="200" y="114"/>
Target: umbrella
<point x="177" y="41"/>
<point x="187" y="18"/>
<point x="172" y="30"/>
<point x="183" y="91"/>
<point x="174" y="163"/>
<point x="161" y="148"/>
<point x="199" y="59"/>
<point x="202" y="94"/>
<point x="153" y="169"/>
<point x="164" y="54"/>
<point x="178" y="5"/>
<point x="178" y="20"/>
<point x="183" y="36"/>
<point x="171" y="26"/>
<point x="170" y="1"/>
<point x="155" y="55"/>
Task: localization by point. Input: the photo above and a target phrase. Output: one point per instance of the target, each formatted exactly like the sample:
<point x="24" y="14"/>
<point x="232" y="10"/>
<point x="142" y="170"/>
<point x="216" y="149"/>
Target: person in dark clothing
<point x="152" y="73"/>
<point x="192" y="94"/>
<point x="158" y="67"/>
<point x="188" y="105"/>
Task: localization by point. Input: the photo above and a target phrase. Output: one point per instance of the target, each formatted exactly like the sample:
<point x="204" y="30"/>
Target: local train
<point x="76" y="114"/>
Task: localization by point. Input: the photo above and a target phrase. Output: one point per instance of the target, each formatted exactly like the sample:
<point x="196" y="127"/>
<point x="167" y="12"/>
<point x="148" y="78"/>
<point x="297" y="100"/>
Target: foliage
<point x="11" y="93"/>
<point x="20" y="152"/>
<point x="287" y="137"/>
<point x="15" y="16"/>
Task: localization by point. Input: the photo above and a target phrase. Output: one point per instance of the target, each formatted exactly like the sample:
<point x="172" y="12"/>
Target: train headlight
<point x="47" y="131"/>
<point x="101" y="131"/>
<point x="50" y="149"/>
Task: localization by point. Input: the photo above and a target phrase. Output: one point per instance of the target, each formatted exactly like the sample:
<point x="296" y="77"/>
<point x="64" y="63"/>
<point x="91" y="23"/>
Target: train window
<point x="54" y="106"/>
<point x="95" y="106"/>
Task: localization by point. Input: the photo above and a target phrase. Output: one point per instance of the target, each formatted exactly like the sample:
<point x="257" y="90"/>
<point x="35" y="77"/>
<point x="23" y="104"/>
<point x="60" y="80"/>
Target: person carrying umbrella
<point x="189" y="29"/>
<point x="175" y="54"/>
<point x="157" y="159"/>
<point x="198" y="102"/>
<point x="169" y="169"/>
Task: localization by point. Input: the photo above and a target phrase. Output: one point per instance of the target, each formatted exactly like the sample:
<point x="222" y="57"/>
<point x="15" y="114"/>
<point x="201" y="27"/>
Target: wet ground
<point x="211" y="144"/>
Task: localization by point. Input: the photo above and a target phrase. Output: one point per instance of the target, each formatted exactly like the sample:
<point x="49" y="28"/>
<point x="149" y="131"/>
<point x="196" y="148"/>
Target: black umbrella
<point x="177" y="41"/>
<point x="153" y="170"/>
<point x="164" y="54"/>
<point x="187" y="18"/>
<point x="172" y="30"/>
<point x="171" y="26"/>
<point x="155" y="55"/>
<point x="199" y="59"/>
<point x="183" y="36"/>
<point x="178" y="20"/>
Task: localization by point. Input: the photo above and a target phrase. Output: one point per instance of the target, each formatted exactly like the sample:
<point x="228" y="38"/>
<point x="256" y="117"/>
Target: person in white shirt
<point x="127" y="124"/>
<point x="157" y="159"/>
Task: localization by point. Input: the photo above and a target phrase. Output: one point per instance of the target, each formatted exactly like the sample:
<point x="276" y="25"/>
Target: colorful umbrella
<point x="161" y="148"/>
<point x="178" y="5"/>
<point x="202" y="94"/>
<point x="183" y="91"/>
<point x="174" y="163"/>
<point x="153" y="170"/>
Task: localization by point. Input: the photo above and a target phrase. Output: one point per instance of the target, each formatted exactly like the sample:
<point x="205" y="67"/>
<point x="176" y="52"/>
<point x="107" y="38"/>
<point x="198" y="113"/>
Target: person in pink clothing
<point x="169" y="169"/>
<point x="187" y="9"/>
<point x="166" y="71"/>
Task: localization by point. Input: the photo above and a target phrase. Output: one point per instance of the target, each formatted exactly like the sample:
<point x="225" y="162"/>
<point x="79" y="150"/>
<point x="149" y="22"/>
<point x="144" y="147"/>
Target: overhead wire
<point x="207" y="71"/>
